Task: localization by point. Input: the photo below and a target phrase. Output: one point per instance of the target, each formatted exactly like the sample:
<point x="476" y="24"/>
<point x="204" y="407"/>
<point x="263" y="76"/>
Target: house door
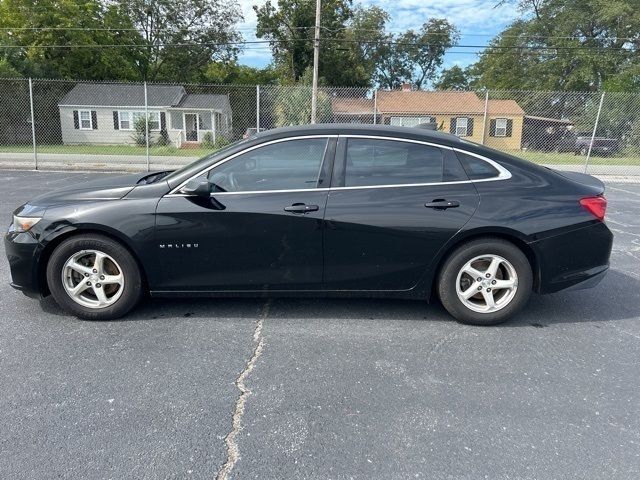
<point x="191" y="127"/>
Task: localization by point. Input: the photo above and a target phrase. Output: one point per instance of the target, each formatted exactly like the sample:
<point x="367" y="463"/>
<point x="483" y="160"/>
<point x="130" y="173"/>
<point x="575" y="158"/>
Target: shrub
<point x="163" y="140"/>
<point x="207" y="140"/>
<point x="139" y="135"/>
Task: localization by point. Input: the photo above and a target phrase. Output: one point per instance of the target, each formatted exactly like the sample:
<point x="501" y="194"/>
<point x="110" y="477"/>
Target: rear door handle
<point x="442" y="204"/>
<point x="301" y="208"/>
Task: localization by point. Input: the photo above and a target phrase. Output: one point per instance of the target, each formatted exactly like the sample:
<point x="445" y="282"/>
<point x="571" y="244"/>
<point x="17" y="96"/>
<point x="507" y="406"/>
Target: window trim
<point x="417" y="117"/>
<point x="503" y="173"/>
<point x="506" y="123"/>
<point x="131" y="121"/>
<point x="80" y="127"/>
<point x="466" y="127"/>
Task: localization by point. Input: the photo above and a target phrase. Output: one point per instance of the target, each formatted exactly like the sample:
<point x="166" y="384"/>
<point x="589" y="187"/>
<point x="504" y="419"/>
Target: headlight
<point x="24" y="224"/>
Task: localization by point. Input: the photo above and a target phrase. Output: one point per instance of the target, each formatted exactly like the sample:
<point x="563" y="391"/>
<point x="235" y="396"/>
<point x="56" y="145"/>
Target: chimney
<point x="406" y="87"/>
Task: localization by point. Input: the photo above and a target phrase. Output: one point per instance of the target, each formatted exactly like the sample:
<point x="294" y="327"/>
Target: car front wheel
<point x="485" y="282"/>
<point x="94" y="277"/>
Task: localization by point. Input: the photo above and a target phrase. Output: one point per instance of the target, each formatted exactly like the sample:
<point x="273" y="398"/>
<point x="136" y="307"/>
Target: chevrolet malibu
<point x="332" y="210"/>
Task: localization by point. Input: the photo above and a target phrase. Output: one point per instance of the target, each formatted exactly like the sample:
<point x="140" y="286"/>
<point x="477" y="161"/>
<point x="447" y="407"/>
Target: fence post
<point x="484" y="119"/>
<point x="146" y="124"/>
<point x="593" y="135"/>
<point x="257" y="108"/>
<point x="375" y="106"/>
<point x="33" y="126"/>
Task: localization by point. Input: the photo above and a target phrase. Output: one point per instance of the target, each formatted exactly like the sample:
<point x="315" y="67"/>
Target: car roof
<point x="360" y="129"/>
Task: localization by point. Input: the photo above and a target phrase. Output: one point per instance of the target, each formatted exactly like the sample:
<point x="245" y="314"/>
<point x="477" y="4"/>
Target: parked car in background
<point x="329" y="210"/>
<point x="578" y="143"/>
<point x="252" y="131"/>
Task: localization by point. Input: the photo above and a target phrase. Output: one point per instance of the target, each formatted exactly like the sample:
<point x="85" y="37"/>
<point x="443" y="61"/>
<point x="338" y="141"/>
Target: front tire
<point x="485" y="282"/>
<point x="94" y="277"/>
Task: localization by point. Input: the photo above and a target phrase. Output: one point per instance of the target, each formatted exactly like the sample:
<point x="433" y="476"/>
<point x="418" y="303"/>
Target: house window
<point x="410" y="121"/>
<point x="501" y="127"/>
<point x="85" y="120"/>
<point x="461" y="126"/>
<point x="128" y="120"/>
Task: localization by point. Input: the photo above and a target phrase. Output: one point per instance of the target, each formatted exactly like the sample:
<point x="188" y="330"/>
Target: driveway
<point x="306" y="388"/>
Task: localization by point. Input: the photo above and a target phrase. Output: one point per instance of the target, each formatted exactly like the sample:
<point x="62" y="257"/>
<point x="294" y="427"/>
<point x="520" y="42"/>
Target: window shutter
<point x="469" y="127"/>
<point x="452" y="126"/>
<point x="163" y="121"/>
<point x="116" y="121"/>
<point x="509" y="128"/>
<point x="76" y="120"/>
<point x="492" y="128"/>
<point x="432" y="119"/>
<point x="94" y="119"/>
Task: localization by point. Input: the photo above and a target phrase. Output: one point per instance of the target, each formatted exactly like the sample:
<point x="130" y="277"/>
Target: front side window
<point x="462" y="124"/>
<point x="501" y="127"/>
<point x="288" y="165"/>
<point x="85" y="120"/>
<point x="373" y="162"/>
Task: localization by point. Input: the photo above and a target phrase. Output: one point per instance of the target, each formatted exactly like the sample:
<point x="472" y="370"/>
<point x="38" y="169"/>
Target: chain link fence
<point x="60" y="124"/>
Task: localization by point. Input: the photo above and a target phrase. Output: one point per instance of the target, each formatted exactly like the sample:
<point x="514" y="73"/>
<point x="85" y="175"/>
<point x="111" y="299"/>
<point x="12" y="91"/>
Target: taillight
<point x="597" y="206"/>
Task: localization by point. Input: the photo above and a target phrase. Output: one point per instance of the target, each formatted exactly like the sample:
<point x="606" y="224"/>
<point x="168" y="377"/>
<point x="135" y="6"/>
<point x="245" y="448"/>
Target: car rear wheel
<point x="94" y="277"/>
<point x="485" y="281"/>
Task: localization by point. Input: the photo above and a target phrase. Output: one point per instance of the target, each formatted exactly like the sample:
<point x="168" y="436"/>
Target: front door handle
<point x="301" y="208"/>
<point x="442" y="204"/>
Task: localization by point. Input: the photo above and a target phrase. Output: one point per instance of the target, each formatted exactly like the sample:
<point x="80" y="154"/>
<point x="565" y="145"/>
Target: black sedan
<point x="320" y="210"/>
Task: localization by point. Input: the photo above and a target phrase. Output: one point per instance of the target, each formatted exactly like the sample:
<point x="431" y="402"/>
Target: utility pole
<point x="316" y="58"/>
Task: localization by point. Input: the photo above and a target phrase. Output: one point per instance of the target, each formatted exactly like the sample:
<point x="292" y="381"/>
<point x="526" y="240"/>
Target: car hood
<point x="112" y="188"/>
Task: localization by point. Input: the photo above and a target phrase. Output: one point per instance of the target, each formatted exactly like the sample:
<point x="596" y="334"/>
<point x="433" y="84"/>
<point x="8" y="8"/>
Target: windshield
<point x="204" y="161"/>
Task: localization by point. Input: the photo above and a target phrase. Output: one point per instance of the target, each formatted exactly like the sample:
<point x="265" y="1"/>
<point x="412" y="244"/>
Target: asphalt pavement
<point x="315" y="388"/>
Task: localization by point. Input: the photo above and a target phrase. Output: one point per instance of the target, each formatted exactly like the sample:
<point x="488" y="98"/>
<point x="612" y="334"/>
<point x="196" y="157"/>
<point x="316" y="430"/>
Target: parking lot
<point x="334" y="389"/>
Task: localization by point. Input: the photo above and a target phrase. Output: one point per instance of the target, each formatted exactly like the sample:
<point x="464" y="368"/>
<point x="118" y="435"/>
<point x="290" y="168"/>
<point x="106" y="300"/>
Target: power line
<point x="308" y="40"/>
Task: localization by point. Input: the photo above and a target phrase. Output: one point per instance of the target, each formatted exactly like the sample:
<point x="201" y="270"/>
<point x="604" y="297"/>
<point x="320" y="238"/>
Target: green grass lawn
<point x="550" y="158"/>
<point x="567" y="158"/>
<point x="109" y="150"/>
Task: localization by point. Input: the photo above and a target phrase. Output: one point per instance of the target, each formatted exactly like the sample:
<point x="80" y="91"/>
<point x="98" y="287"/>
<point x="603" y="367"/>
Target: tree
<point x="412" y="57"/>
<point x="63" y="39"/>
<point x="454" y="78"/>
<point x="178" y="38"/>
<point x="289" y="27"/>
<point x="231" y="72"/>
<point x="580" y="45"/>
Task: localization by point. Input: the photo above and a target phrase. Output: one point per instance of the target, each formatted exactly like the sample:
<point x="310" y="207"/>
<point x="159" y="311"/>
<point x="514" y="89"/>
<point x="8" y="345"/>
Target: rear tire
<point x="485" y="281"/>
<point x="94" y="277"/>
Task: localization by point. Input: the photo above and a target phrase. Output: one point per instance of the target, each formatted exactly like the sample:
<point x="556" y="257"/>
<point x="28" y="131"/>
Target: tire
<point x="584" y="151"/>
<point x="513" y="269"/>
<point x="71" y="269"/>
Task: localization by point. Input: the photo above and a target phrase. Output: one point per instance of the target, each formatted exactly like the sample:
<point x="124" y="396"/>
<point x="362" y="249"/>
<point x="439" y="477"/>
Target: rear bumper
<point x="576" y="259"/>
<point x="22" y="250"/>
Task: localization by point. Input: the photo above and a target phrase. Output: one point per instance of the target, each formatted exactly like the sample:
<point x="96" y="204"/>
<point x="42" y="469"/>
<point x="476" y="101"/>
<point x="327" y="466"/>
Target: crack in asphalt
<point x="233" y="449"/>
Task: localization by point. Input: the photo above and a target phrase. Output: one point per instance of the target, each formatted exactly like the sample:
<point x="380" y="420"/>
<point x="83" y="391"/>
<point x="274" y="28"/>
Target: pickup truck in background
<point x="578" y="143"/>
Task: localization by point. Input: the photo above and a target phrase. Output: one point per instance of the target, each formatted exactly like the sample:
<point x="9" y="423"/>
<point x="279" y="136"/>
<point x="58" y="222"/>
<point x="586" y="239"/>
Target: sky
<point x="477" y="20"/>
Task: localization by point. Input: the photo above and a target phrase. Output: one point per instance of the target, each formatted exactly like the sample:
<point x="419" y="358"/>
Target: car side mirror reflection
<point x="198" y="187"/>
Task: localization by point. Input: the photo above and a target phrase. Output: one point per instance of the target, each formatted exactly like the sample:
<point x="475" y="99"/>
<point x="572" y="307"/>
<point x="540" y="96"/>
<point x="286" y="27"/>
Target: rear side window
<point x="477" y="168"/>
<point x="372" y="162"/>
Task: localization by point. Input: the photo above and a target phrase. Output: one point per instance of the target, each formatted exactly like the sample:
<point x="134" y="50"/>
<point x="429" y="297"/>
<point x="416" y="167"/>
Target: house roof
<point x="504" y="107"/>
<point x="421" y="102"/>
<point x="352" y="106"/>
<point x="204" y="101"/>
<point x="122" y="95"/>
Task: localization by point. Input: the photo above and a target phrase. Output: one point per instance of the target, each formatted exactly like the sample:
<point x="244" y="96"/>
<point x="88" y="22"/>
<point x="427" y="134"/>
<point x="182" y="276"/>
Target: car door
<point x="261" y="229"/>
<point x="393" y="204"/>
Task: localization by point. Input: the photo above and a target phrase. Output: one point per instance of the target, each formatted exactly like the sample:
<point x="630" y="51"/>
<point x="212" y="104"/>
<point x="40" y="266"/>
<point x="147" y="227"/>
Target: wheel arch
<point x="65" y="234"/>
<point x="511" y="236"/>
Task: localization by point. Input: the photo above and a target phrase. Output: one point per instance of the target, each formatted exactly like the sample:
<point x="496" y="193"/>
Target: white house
<point x="105" y="113"/>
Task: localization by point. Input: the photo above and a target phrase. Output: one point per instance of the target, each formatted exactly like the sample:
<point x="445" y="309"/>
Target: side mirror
<point x="198" y="187"/>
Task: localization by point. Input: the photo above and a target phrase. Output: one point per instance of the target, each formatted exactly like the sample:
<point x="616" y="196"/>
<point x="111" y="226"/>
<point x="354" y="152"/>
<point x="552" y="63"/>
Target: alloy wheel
<point x="92" y="279"/>
<point x="487" y="283"/>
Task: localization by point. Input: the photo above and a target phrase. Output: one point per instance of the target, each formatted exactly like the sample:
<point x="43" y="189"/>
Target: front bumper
<point x="22" y="252"/>
<point x="576" y="259"/>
